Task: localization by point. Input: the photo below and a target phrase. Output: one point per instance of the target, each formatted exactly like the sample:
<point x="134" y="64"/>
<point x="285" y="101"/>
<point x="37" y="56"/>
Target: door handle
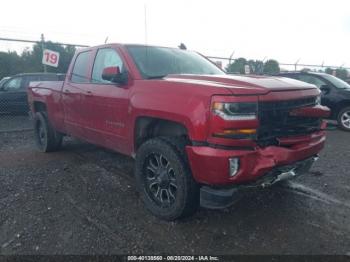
<point x="66" y="91"/>
<point x="88" y="93"/>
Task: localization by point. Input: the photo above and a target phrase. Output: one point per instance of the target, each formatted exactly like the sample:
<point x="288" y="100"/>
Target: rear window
<point x="80" y="69"/>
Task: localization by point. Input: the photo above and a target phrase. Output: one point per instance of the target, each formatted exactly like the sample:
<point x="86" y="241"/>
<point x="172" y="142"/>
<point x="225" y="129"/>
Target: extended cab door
<point x="108" y="105"/>
<point x="75" y="92"/>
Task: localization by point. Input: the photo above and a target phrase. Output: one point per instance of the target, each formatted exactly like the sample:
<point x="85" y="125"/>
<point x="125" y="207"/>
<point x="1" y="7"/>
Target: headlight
<point x="318" y="100"/>
<point x="235" y="111"/>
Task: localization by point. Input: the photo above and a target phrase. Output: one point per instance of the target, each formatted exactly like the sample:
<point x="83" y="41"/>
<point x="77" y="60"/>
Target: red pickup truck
<point x="199" y="136"/>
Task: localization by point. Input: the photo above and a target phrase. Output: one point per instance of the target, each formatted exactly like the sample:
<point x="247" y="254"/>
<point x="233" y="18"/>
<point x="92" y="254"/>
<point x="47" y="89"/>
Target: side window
<point x="81" y="67"/>
<point x="13" y="84"/>
<point x="105" y="57"/>
<point x="312" y="80"/>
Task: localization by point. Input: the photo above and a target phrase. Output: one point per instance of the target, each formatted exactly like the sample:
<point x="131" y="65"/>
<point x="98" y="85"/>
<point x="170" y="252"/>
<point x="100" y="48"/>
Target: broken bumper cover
<point x="217" y="198"/>
<point x="210" y="166"/>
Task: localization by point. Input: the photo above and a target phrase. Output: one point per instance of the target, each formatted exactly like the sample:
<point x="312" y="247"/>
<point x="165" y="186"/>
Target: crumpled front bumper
<point x="217" y="198"/>
<point x="210" y="166"/>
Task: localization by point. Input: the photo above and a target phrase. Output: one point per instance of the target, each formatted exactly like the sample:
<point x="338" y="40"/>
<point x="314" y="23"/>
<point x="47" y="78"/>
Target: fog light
<point x="234" y="166"/>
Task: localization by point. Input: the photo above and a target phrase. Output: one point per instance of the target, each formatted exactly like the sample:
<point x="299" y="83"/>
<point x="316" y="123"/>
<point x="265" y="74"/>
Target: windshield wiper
<point x="156" y="77"/>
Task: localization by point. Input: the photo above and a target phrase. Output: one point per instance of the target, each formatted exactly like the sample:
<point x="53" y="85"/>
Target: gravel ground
<point x="14" y="122"/>
<point x="82" y="200"/>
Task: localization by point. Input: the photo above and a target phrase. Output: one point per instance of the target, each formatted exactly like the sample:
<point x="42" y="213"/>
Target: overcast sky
<point x="314" y="31"/>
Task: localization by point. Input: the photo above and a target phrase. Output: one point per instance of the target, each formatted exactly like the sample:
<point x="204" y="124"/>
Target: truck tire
<point x="164" y="179"/>
<point x="344" y="119"/>
<point x="46" y="137"/>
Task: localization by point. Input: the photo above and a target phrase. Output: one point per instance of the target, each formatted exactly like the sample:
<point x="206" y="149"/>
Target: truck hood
<point x="243" y="85"/>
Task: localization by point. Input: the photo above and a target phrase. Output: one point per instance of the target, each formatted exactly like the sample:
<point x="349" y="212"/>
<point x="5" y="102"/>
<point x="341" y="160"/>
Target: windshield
<point x="336" y="81"/>
<point x="157" y="62"/>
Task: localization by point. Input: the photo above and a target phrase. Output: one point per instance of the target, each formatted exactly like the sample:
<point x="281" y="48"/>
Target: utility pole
<point x="261" y="69"/>
<point x="230" y="59"/>
<point x="145" y="23"/>
<point x="43" y="47"/>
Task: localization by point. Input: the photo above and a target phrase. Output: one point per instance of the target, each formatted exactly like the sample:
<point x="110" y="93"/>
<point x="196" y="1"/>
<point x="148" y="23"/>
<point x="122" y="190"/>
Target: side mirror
<point x="114" y="75"/>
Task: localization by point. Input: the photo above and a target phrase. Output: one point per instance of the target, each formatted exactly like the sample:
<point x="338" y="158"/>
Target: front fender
<point x="192" y="112"/>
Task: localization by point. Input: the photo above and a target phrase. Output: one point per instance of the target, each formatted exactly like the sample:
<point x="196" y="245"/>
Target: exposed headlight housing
<point x="235" y="111"/>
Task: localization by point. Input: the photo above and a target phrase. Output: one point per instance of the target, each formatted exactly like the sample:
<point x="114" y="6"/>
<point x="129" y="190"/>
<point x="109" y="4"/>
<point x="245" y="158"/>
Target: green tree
<point x="30" y="60"/>
<point x="256" y="66"/>
<point x="341" y="73"/>
<point x="329" y="70"/>
<point x="271" y="67"/>
<point x="10" y="63"/>
<point x="237" y="66"/>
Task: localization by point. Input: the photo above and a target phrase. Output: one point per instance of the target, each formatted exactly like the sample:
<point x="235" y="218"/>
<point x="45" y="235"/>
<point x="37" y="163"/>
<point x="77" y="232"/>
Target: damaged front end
<point x="218" y="198"/>
<point x="289" y="137"/>
<point x="265" y="140"/>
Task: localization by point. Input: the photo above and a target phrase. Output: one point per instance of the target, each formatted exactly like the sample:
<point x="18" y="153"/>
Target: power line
<point x="283" y="64"/>
<point x="210" y="57"/>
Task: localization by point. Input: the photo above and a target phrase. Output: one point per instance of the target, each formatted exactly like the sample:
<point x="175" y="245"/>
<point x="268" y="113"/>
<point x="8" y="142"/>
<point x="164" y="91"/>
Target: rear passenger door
<point x="75" y="93"/>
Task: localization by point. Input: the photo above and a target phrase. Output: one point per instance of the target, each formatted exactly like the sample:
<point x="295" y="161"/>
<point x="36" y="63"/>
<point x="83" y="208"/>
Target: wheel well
<point x="148" y="127"/>
<point x="39" y="107"/>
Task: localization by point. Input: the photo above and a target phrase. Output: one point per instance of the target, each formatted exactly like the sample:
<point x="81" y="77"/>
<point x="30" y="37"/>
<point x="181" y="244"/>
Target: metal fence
<point x="13" y="108"/>
<point x="13" y="105"/>
<point x="13" y="96"/>
<point x="224" y="61"/>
